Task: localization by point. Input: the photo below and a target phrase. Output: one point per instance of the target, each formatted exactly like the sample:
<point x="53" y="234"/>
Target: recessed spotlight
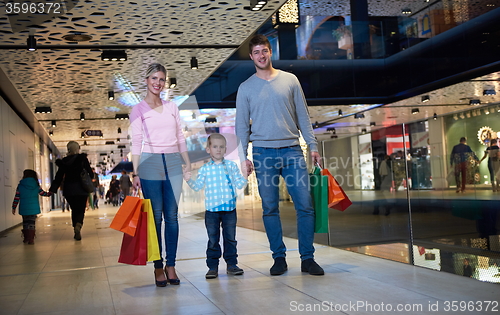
<point x="43" y="109"/>
<point x="111" y="95"/>
<point x="415" y="111"/>
<point x="425" y="98"/>
<point x="31" y="42"/>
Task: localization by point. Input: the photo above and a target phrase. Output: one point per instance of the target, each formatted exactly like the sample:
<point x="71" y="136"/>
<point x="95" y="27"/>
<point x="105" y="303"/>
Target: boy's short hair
<point x="258" y="39"/>
<point x="215" y="136"/>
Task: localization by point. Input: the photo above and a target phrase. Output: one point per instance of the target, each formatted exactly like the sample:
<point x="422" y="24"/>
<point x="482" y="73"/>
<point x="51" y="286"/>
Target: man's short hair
<point x="215" y="136"/>
<point x="258" y="39"/>
<point x="463" y="139"/>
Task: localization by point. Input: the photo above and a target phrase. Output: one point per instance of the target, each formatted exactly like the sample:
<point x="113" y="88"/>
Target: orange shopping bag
<point x="127" y="217"/>
<point x="337" y="198"/>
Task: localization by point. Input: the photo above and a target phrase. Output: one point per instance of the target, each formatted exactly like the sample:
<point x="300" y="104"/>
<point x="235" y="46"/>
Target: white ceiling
<point x="75" y="81"/>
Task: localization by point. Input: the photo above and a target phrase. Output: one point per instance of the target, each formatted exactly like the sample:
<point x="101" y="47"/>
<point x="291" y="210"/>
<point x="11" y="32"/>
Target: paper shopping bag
<point x="319" y="195"/>
<point x="337" y="198"/>
<point x="153" y="252"/>
<point x="127" y="217"/>
<point x="134" y="248"/>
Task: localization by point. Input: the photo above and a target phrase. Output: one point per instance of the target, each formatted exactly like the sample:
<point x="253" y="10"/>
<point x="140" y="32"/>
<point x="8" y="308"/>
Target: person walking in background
<point x="125" y="184"/>
<point x="274" y="100"/>
<point x="27" y="193"/>
<point x="158" y="151"/>
<point x="220" y="178"/>
<point x="459" y="157"/>
<point x="69" y="170"/>
<point x="492" y="153"/>
<point x="95" y="181"/>
<point x="114" y="190"/>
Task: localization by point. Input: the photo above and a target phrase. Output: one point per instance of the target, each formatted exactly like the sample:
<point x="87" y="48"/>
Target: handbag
<point x="153" y="249"/>
<point x="134" y="248"/>
<point x="86" y="181"/>
<point x="126" y="218"/>
<point x="337" y="198"/>
<point x="319" y="195"/>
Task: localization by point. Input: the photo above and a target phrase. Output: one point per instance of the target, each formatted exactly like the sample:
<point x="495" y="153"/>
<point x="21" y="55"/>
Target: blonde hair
<point x="73" y="147"/>
<point x="215" y="136"/>
<point x="155" y="67"/>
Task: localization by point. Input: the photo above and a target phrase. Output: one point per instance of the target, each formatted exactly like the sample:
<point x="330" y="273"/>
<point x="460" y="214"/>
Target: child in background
<point x="219" y="177"/>
<point x="27" y="193"/>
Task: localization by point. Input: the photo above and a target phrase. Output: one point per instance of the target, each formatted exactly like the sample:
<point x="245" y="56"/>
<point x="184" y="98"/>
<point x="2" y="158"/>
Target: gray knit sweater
<point x="278" y="111"/>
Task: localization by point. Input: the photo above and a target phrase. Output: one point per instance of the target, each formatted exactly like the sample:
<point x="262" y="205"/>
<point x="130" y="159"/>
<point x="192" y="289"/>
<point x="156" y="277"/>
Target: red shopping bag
<point x="134" y="248"/>
<point x="127" y="217"/>
<point x="337" y="198"/>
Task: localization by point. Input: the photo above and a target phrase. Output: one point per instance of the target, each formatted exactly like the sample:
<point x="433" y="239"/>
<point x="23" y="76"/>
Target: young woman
<point x="158" y="152"/>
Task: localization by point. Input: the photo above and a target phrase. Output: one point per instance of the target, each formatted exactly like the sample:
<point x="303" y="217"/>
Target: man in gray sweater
<point x="273" y="100"/>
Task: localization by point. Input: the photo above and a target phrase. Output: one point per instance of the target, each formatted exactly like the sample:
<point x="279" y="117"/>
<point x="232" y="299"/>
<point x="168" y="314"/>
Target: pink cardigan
<point x="155" y="132"/>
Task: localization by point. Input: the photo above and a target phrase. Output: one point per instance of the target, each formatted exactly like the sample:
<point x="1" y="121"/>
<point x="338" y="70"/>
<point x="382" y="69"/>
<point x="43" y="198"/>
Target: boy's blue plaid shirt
<point x="220" y="194"/>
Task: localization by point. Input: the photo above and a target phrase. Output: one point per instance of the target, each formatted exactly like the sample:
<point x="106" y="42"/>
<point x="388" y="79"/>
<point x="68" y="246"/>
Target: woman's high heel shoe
<point x="162" y="283"/>
<point x="172" y="281"/>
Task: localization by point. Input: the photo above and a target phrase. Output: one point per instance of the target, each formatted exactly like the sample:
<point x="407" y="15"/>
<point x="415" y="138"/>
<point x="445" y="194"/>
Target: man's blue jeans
<point x="288" y="162"/>
<point x="213" y="223"/>
<point x="161" y="182"/>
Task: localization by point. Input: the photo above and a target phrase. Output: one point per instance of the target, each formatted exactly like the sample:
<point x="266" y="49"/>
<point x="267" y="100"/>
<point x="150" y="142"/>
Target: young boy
<point x="219" y="177"/>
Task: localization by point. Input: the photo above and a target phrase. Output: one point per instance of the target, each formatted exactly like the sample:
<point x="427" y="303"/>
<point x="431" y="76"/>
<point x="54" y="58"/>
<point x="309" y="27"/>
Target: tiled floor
<point x="59" y="275"/>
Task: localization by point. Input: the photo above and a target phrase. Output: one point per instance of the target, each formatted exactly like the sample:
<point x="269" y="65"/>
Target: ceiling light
<point x="340" y="113"/>
<point x="118" y="140"/>
<point x="316" y="125"/>
<point x="406" y="11"/>
<point x="121" y="116"/>
<point x="82" y="135"/>
<point x="194" y="63"/>
<point x="363" y="131"/>
<point x="51" y="133"/>
<point x="113" y="55"/>
<point x="43" y="109"/>
<point x="31" y="42"/>
<point x="53" y="123"/>
<point x="85" y="142"/>
<point x="119" y="130"/>
<point x="82" y="116"/>
<point x="359" y="115"/>
<point x="211" y="120"/>
<point x="173" y="82"/>
<point x="415" y="111"/>
<point x="111" y="95"/>
<point x="331" y="129"/>
<point x="489" y="92"/>
<point x="101" y="136"/>
<point x="425" y="98"/>
<point x="435" y="117"/>
<point x="373" y="123"/>
<point x="256" y="5"/>
<point x="475" y="102"/>
<point x="122" y="146"/>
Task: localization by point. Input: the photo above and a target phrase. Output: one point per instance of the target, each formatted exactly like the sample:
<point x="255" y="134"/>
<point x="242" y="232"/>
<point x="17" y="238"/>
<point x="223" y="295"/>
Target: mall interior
<point x="391" y="86"/>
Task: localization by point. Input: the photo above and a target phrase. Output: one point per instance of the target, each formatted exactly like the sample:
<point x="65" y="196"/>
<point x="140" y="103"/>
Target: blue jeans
<point x="288" y="162"/>
<point x="213" y="223"/>
<point x="161" y="182"/>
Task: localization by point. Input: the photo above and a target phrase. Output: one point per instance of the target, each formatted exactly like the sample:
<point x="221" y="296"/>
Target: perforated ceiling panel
<point x="76" y="81"/>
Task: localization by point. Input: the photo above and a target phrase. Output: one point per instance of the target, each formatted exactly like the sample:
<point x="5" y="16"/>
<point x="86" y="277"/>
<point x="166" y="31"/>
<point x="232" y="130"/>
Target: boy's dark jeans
<point x="213" y="223"/>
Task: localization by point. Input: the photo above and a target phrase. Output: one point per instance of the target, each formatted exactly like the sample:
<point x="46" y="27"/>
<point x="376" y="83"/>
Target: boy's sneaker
<point x="212" y="274"/>
<point x="234" y="270"/>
